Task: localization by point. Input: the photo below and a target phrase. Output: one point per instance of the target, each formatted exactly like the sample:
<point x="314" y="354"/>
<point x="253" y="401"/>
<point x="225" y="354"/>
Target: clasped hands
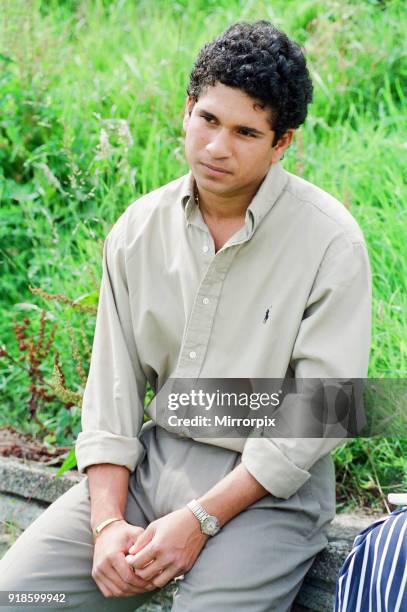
<point x="130" y="560"/>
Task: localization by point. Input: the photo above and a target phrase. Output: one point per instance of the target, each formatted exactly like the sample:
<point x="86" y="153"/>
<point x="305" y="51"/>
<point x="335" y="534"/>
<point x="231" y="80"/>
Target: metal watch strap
<point x="210" y="524"/>
<point x="197" y="509"/>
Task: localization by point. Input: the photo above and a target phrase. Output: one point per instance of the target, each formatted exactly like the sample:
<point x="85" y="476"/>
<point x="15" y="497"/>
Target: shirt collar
<point x="268" y="193"/>
<point x="266" y="196"/>
<point x="187" y="195"/>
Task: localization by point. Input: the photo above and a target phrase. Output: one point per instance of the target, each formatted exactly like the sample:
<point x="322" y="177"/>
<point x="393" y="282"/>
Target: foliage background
<point x="91" y="100"/>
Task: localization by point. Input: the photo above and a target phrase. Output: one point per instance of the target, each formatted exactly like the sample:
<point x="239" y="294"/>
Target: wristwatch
<point x="210" y="525"/>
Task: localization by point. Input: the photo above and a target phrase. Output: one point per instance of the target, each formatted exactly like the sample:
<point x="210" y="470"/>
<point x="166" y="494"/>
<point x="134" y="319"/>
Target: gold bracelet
<point x="105" y="523"/>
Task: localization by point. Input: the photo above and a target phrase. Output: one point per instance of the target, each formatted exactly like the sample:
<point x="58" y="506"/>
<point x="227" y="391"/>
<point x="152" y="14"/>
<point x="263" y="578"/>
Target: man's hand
<point x="114" y="577"/>
<point x="170" y="546"/>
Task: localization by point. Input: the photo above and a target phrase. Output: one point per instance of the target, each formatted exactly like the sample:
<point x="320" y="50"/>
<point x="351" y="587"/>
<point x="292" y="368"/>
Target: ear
<point x="189" y="105"/>
<point x="282" y="145"/>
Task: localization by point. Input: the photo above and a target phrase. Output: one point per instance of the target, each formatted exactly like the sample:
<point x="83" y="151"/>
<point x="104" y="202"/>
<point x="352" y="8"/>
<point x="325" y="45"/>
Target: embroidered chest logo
<point x="267" y="315"/>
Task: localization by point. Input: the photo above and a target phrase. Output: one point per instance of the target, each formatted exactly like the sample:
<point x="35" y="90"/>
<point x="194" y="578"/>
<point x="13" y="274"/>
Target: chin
<point x="211" y="185"/>
<point x="209" y="182"/>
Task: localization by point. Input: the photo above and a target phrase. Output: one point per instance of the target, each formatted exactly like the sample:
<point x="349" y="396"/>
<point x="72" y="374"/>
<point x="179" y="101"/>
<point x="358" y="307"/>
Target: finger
<point x="103" y="588"/>
<point x="152" y="570"/>
<point x="134" y="535"/>
<point x="127" y="574"/>
<point x="121" y="588"/>
<point x="139" y="560"/>
<point x="165" y="577"/>
<point x="143" y="539"/>
<point x="147" y="584"/>
<point x="107" y="585"/>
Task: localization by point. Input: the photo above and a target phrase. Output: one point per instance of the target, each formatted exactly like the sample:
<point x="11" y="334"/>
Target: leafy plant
<point x="92" y="102"/>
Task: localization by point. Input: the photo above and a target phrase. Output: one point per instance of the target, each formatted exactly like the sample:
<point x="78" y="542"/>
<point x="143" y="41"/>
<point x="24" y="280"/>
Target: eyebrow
<point x="252" y="130"/>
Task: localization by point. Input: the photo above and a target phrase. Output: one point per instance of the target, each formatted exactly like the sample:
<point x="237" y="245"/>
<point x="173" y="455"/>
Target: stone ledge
<point x="31" y="480"/>
<point x="27" y="487"/>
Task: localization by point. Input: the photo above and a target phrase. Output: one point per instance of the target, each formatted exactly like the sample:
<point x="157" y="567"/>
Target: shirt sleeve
<point x="113" y="401"/>
<point x="333" y="341"/>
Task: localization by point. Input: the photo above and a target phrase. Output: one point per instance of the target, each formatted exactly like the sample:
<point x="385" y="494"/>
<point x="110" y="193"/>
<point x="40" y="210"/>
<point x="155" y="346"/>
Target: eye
<point x="246" y="133"/>
<point x="208" y="119"/>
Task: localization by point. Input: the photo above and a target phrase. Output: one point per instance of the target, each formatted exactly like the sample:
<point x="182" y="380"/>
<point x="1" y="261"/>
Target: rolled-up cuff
<point x="94" y="447"/>
<point x="271" y="468"/>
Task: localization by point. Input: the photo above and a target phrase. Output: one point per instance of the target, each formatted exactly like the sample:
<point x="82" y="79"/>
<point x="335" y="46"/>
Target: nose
<point x="220" y="146"/>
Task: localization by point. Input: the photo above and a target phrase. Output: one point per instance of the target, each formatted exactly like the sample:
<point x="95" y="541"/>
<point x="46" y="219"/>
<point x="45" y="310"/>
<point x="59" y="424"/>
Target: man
<point x="236" y="270"/>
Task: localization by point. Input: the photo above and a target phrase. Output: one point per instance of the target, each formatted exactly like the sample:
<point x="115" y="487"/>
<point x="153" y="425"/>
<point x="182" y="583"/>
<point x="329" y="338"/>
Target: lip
<point x="215" y="170"/>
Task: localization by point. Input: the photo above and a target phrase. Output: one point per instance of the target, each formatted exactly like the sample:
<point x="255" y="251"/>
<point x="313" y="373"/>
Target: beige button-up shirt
<point x="170" y="306"/>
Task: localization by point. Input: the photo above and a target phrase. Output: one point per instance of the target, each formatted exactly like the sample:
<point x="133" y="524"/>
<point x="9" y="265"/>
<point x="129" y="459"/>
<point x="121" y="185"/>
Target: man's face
<point x="228" y="141"/>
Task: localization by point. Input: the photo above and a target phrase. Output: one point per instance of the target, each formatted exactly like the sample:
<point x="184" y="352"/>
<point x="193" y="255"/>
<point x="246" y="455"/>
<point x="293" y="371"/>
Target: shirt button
<point x="192" y="354"/>
<point x="205" y="301"/>
<point x="205" y="248"/>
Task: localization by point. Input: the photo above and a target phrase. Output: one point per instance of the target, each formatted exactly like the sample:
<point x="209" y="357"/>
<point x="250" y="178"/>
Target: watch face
<point x="210" y="525"/>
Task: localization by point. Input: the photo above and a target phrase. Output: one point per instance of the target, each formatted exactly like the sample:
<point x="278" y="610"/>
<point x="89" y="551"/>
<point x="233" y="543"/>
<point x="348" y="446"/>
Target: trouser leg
<point x="55" y="553"/>
<point x="257" y="562"/>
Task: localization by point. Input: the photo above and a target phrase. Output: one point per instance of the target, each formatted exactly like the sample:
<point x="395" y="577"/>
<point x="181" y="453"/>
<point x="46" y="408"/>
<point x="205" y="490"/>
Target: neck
<point x="224" y="206"/>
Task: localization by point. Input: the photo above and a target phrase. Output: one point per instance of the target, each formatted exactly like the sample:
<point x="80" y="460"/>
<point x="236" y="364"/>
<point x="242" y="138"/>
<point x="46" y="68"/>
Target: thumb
<point x="133" y="534"/>
<point x="143" y="539"/>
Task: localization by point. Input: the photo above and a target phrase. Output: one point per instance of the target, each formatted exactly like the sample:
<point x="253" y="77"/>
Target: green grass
<point x="74" y="74"/>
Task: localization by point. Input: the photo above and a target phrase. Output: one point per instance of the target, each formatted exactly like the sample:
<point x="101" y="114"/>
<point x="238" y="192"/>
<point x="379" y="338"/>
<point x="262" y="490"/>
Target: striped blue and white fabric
<point x="374" y="575"/>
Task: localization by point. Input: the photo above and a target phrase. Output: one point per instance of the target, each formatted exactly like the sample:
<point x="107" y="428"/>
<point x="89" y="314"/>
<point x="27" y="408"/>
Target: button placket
<point x="200" y="324"/>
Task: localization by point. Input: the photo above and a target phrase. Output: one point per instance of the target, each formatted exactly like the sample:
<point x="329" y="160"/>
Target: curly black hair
<point x="265" y="64"/>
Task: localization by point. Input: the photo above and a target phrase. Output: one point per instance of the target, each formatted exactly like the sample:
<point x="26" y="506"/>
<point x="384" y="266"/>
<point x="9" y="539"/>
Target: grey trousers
<point x="256" y="563"/>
